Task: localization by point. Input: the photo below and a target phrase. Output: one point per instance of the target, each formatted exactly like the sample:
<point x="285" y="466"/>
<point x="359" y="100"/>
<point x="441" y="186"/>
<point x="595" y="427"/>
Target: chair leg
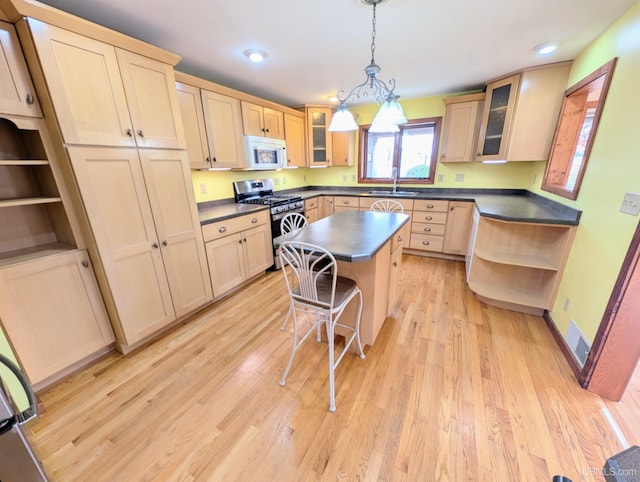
<point x="332" y="388"/>
<point x="292" y="312"/>
<point x="284" y="323"/>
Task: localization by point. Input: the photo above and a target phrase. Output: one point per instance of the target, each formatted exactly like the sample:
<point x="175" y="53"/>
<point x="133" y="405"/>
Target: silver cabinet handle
<point x="254" y="220"/>
<point x="428" y="218"/>
<point x="222" y="229"/>
<point x="430" y="206"/>
<point x="426" y="243"/>
<point x="427" y="230"/>
<point x="85" y="263"/>
<point x="400" y="239"/>
<point x="29" y="99"/>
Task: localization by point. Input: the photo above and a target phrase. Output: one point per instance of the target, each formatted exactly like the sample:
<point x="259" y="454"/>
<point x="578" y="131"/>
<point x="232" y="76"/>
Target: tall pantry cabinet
<point x="118" y="118"/>
<point x="51" y="311"/>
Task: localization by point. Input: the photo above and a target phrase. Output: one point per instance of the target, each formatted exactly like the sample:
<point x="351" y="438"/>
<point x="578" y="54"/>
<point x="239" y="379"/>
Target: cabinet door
<point x="223" y="120"/>
<point x="53" y="314"/>
<point x="341" y="148"/>
<point x="318" y="135"/>
<point x="193" y="121"/>
<point x="258" y="250"/>
<point x="114" y="194"/>
<point x="226" y="263"/>
<point x="394" y="277"/>
<point x="456" y="236"/>
<point x="499" y="105"/>
<point x="252" y="119"/>
<point x="173" y="206"/>
<point x="150" y="87"/>
<point x="17" y="95"/>
<point x="327" y="206"/>
<point x="273" y="123"/>
<point x="294" y="136"/>
<point x="85" y="86"/>
<point x="461" y="123"/>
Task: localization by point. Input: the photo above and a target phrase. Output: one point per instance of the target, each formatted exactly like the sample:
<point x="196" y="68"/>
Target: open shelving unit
<point x="518" y="265"/>
<point x="32" y="213"/>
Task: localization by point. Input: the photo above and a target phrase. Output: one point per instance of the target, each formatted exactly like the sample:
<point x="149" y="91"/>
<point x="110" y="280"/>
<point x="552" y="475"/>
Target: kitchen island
<point x="368" y="248"/>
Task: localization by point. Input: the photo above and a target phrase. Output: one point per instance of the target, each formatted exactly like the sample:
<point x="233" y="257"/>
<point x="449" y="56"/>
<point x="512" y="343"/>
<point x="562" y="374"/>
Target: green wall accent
<point x="8" y="378"/>
<point x="604" y="234"/>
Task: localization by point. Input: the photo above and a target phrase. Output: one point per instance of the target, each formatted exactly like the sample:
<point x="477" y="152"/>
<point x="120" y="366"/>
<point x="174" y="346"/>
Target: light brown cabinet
<point x="428" y="224"/>
<point x="237" y="250"/>
<point x="141" y="209"/>
<point x="517" y="265"/>
<point x="311" y="210"/>
<point x="520" y="114"/>
<point x="104" y="95"/>
<point x="53" y="314"/>
<point x="397" y="243"/>
<point x="263" y="121"/>
<point x="294" y="129"/>
<point x="456" y="234"/>
<point x="461" y="126"/>
<point x="342" y="145"/>
<point x="17" y="95"/>
<point x="319" y="145"/>
<point x="342" y="203"/>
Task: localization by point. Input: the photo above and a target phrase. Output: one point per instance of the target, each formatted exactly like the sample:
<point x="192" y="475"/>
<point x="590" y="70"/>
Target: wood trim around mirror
<point x="576" y="129"/>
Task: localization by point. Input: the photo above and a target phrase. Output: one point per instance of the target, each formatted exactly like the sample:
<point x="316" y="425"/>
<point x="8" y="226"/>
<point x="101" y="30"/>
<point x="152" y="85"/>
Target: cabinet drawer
<point x="428" y="228"/>
<point x="397" y="241"/>
<point x="348" y="201"/>
<point x="234" y="225"/>
<point x="429" y="217"/>
<point x="310" y="204"/>
<point x="430" y="205"/>
<point x="426" y="242"/>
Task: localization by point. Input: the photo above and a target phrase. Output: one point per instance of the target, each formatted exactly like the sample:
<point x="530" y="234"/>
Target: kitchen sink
<point x="390" y="193"/>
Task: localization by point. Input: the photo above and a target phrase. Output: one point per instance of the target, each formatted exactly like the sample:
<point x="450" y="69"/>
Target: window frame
<point x="363" y="138"/>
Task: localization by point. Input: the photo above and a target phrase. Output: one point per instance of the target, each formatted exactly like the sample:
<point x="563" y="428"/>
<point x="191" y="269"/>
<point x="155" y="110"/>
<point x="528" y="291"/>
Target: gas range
<point x="260" y="191"/>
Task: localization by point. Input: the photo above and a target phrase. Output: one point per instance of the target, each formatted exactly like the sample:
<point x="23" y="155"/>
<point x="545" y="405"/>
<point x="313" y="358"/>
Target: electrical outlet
<point x="353" y="178"/>
<point x="344" y="178"/>
<point x="304" y="178"/>
<point x="203" y="188"/>
<point x="459" y="177"/>
<point x="276" y="181"/>
<point x="567" y="302"/>
<point x="440" y="177"/>
<point x="534" y="179"/>
<point x="631" y="204"/>
<point x="284" y="179"/>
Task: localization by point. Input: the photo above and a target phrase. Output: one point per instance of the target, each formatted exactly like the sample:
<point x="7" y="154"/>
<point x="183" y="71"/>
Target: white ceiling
<point x="317" y="47"/>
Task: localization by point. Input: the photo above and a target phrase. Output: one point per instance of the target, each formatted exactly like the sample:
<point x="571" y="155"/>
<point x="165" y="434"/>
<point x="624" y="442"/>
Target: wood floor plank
<point x="452" y="390"/>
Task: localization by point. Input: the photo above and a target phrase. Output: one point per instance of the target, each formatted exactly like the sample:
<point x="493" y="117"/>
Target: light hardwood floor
<point x="452" y="390"/>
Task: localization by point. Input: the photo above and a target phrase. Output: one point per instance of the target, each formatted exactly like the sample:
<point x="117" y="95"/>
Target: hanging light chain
<point x="373" y="33"/>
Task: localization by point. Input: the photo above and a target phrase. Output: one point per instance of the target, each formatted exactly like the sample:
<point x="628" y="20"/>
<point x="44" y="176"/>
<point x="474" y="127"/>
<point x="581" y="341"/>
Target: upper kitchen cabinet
<point x="194" y="129"/>
<point x="319" y="143"/>
<point x="17" y="95"/>
<point x="223" y="119"/>
<point x="461" y="125"/>
<point x="520" y="113"/>
<point x="104" y="95"/>
<point x="262" y="121"/>
<point x="294" y="129"/>
<point x="342" y="145"/>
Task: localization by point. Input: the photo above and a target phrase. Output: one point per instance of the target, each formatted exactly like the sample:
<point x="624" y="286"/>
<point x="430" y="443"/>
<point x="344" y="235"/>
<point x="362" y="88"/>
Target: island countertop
<point x="351" y="235"/>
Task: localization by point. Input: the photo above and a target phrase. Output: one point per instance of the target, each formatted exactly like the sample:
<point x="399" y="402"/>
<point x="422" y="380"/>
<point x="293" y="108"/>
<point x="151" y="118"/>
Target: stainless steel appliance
<point x="265" y="153"/>
<point x="260" y="191"/>
<point x="17" y="461"/>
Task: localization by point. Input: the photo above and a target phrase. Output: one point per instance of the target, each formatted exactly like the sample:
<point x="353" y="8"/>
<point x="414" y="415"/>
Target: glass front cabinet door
<point x="318" y="119"/>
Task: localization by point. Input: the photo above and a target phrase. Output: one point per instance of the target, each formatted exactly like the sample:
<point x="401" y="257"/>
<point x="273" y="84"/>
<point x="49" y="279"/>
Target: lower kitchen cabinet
<point x="53" y="314"/>
<point x="517" y="265"/>
<point x="456" y="233"/>
<point x="311" y="210"/>
<point x="394" y="270"/>
<point x="237" y="250"/>
<point x="141" y="209"/>
<point x="428" y="224"/>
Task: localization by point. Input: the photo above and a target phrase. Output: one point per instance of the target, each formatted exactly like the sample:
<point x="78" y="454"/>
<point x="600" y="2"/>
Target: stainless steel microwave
<point x="264" y="153"/>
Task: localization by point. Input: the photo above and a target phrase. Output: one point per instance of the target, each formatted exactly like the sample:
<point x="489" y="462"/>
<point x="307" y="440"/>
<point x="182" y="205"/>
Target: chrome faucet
<point x="394" y="176"/>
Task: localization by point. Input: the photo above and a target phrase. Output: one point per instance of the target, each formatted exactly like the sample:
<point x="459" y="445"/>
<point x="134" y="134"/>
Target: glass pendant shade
<point x="343" y="120"/>
<point x="382" y="127"/>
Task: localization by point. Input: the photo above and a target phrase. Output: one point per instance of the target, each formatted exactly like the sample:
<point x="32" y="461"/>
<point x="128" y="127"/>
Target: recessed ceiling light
<point x="255" y="55"/>
<point x="546" y="48"/>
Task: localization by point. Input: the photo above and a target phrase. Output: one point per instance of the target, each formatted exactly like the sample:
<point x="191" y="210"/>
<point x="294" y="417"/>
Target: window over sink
<point x="406" y="156"/>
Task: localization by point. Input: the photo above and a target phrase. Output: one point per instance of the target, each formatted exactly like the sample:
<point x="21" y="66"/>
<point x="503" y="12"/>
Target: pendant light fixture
<point x="390" y="113"/>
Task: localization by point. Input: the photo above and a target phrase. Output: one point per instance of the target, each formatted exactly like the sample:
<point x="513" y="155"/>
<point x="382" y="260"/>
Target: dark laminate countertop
<point x="517" y="205"/>
<point x="350" y="235"/>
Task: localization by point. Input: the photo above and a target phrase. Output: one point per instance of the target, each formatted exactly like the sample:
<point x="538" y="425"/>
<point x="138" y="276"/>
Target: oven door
<point x="276" y="231"/>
